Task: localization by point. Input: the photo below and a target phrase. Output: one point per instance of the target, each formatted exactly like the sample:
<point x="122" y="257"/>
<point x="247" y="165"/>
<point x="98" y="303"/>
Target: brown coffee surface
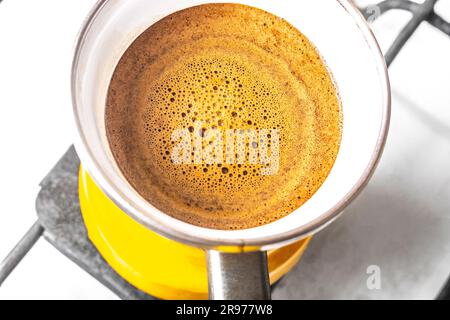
<point x="223" y="67"/>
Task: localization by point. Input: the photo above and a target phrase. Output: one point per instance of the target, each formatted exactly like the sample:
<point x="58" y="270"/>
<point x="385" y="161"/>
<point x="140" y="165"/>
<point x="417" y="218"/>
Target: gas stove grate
<point x="62" y="225"/>
<point x="422" y="12"/>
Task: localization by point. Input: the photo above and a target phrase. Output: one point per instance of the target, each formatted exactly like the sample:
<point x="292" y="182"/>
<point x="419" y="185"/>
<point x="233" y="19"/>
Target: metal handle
<point x="20" y="250"/>
<point x="238" y="276"/>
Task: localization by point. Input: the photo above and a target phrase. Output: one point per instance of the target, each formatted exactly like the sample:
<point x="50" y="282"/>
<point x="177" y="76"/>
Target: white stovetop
<point x="400" y="223"/>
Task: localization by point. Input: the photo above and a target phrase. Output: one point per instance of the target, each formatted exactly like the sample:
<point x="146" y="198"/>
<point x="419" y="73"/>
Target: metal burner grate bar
<point x="421" y="12"/>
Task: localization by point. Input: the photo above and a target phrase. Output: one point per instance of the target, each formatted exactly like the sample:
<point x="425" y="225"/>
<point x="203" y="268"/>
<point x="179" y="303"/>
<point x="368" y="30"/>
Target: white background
<point x="36" y="128"/>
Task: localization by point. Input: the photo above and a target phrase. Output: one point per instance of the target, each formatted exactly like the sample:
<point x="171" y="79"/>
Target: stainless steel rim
<point x="262" y="243"/>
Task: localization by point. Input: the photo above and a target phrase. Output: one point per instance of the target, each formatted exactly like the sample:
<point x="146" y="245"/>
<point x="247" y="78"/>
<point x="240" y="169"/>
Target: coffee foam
<point x="198" y="70"/>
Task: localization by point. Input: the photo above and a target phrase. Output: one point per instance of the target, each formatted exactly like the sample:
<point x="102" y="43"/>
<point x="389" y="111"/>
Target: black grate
<point x="62" y="224"/>
<point x="421" y="12"/>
